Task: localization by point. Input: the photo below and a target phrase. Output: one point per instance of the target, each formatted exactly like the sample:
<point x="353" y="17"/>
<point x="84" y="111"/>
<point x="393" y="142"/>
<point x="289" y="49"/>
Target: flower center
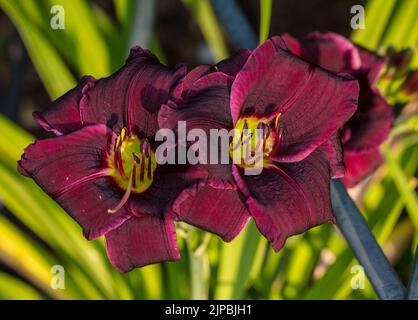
<point x="255" y="140"/>
<point x="133" y="164"/>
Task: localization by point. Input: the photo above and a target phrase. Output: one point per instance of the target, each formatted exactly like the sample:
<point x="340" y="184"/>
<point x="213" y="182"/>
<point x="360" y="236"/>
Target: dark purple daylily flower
<point x="300" y="108"/>
<point x="370" y="125"/>
<point x="215" y="206"/>
<point x="101" y="166"/>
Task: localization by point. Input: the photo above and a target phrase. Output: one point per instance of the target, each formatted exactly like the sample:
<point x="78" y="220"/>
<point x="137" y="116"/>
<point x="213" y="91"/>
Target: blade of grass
<point x="376" y="20"/>
<point x="124" y="12"/>
<point x="265" y="19"/>
<point x="399" y="29"/>
<point x="236" y="263"/>
<point x="12" y="288"/>
<point x="25" y="257"/>
<point x="406" y="192"/>
<point x="38" y="15"/>
<point x="52" y="70"/>
<point x="205" y="17"/>
<point x="89" y="46"/>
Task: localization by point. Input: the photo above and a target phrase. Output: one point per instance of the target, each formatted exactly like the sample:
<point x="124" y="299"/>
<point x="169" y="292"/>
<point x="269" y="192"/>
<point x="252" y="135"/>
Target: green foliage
<point x="205" y="18"/>
<point x="265" y="18"/>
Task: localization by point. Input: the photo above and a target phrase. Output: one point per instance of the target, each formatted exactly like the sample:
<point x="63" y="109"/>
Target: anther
<point x="134" y="165"/>
<point x="245" y="126"/>
<point x="142" y="170"/>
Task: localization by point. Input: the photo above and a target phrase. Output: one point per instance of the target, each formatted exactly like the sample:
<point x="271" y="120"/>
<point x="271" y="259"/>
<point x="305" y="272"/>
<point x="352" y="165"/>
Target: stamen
<point x="245" y="126"/>
<point x="116" y="151"/>
<point x="134" y="165"/>
<point x="276" y="122"/>
<point x="125" y="197"/>
<point x="117" y="144"/>
<point x="123" y="134"/>
<point x="149" y="173"/>
<point x="267" y="133"/>
<point x="142" y="170"/>
<point x="248" y="138"/>
<point x="118" y="154"/>
<point x="279" y="133"/>
<point x="261" y="137"/>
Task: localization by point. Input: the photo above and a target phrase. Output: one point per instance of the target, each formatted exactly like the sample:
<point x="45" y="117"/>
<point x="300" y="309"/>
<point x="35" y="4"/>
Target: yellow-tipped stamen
<point x="123" y="134"/>
<point x="276" y="122"/>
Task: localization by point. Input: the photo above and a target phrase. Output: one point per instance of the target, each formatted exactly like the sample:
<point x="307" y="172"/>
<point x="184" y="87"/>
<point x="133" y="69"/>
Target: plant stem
<point x="413" y="281"/>
<point x="358" y="235"/>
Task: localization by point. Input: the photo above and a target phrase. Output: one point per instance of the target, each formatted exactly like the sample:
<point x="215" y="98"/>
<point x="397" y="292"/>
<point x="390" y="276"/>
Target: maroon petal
<point x="63" y="116"/>
<point x="230" y="66"/>
<point x="206" y="105"/>
<point x="313" y="119"/>
<point x="371" y="63"/>
<point x="181" y="90"/>
<point x="290" y="200"/>
<point x="72" y="170"/>
<point x="234" y="64"/>
<point x="314" y="103"/>
<point x="334" y="150"/>
<point x="169" y="182"/>
<point x="142" y="241"/>
<point x="331" y="51"/>
<point x="218" y="211"/>
<point x="292" y="44"/>
<point x="360" y="165"/>
<point x="370" y="125"/>
<point x="132" y="96"/>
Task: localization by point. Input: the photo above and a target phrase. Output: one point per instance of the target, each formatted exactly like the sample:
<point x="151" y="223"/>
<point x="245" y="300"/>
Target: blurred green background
<point x="38" y="64"/>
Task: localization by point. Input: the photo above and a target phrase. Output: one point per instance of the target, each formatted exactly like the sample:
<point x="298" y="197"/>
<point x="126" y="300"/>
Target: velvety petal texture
<point x="142" y="241"/>
<point x="145" y="84"/>
<point x="131" y="97"/>
<point x="205" y="105"/>
<point x="71" y="170"/>
<point x="291" y="199"/>
<point x="371" y="124"/>
<point x="360" y="164"/>
<point x="169" y="182"/>
<point x="63" y="116"/>
<point x="219" y="211"/>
